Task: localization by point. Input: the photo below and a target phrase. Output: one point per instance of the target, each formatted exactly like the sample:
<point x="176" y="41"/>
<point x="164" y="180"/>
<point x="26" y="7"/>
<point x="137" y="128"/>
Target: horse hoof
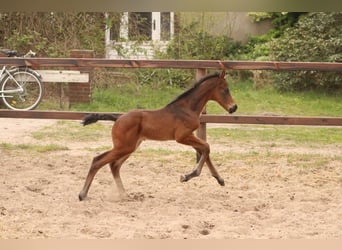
<point x="221" y="182"/>
<point x="81" y="197"/>
<point x="183" y="178"/>
<point x="124" y="197"/>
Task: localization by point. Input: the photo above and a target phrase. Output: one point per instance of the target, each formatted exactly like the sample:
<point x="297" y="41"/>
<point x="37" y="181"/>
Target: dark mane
<point x="196" y="84"/>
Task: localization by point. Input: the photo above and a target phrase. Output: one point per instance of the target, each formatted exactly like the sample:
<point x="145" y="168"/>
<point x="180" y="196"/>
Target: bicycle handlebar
<point x="9" y="53"/>
<point x="14" y="53"/>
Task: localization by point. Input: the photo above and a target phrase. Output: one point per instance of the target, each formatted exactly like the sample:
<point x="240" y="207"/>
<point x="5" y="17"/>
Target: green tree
<point x="316" y="37"/>
<point x="52" y="34"/>
<point x="191" y="42"/>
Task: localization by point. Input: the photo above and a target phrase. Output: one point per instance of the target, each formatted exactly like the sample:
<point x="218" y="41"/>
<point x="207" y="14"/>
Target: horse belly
<point x="155" y="127"/>
<point x="159" y="132"/>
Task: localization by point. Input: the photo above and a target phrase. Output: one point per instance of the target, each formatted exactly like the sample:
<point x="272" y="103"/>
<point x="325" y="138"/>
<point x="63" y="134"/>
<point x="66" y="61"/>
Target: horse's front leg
<point x="196" y="172"/>
<point x="203" y="148"/>
<point x="213" y="170"/>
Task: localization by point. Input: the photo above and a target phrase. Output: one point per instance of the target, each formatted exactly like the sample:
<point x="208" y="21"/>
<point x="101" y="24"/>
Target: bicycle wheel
<point x="22" y="90"/>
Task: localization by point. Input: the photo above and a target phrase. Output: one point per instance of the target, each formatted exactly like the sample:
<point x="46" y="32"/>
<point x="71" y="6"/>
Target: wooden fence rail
<point x="270" y="120"/>
<point x="177" y="64"/>
<point x="200" y="65"/>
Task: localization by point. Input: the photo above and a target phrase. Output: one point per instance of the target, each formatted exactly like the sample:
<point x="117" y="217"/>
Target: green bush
<point x="52" y="34"/>
<point x="257" y="47"/>
<point x="316" y="37"/>
<point x="165" y="77"/>
<point x="192" y="43"/>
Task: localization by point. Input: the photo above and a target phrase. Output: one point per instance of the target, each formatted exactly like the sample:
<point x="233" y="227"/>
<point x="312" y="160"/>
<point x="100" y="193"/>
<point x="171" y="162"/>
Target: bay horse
<point x="176" y="121"/>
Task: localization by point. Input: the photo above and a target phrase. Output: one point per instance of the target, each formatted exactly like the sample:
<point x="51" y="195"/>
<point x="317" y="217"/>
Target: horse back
<point x="160" y="124"/>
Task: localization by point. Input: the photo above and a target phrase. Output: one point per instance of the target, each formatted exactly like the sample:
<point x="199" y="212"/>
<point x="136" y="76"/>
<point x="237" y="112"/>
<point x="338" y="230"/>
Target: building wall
<point x="134" y="50"/>
<point x="237" y="25"/>
<point x="158" y="29"/>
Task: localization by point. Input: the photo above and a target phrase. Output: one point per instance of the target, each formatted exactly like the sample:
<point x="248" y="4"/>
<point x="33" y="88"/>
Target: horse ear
<point x="223" y="74"/>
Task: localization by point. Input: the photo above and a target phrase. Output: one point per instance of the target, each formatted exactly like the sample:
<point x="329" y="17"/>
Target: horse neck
<point x="199" y="97"/>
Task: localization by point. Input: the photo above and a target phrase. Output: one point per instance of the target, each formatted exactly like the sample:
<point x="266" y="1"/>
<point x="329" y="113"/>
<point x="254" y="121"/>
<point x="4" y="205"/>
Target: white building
<point x="139" y="34"/>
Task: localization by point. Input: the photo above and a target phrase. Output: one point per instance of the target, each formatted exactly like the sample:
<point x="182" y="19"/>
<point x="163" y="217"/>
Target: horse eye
<point x="226" y="91"/>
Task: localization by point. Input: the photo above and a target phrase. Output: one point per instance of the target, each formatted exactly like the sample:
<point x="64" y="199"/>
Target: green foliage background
<point x="316" y="37"/>
<point x="52" y="34"/>
<point x="295" y="37"/>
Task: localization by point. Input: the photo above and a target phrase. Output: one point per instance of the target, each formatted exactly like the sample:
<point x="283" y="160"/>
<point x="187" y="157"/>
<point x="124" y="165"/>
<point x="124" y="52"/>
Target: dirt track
<point x="262" y="198"/>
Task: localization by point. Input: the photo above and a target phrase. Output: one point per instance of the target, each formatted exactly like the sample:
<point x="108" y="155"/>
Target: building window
<point x="152" y="30"/>
<point x="115" y="20"/>
<point x="115" y="31"/>
<point x="165" y="20"/>
<point x="140" y="26"/>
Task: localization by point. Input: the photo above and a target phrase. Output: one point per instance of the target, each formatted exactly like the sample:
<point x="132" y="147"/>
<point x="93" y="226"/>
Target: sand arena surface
<point x="262" y="198"/>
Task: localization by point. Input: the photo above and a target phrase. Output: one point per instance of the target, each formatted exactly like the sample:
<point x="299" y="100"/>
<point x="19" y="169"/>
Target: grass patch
<point x="250" y="101"/>
<point x="98" y="149"/>
<point x="33" y="147"/>
<point x="130" y="96"/>
<point x="278" y="134"/>
<point x="307" y="161"/>
<point x="69" y="130"/>
<point x="304" y="161"/>
<point x="240" y="159"/>
<point x="163" y="156"/>
<point x="268" y="100"/>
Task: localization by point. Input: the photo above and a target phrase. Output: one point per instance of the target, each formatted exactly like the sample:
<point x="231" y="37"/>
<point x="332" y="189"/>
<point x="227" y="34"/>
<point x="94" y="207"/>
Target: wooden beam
<point x="270" y="120"/>
<point x="180" y="64"/>
<point x="275" y="120"/>
<point x="63" y="76"/>
<point x="201" y="132"/>
<point x="34" y="114"/>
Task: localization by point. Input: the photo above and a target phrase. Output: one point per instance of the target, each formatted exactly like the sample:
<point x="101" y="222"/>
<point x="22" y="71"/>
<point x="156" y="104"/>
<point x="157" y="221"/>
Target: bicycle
<point x="21" y="88"/>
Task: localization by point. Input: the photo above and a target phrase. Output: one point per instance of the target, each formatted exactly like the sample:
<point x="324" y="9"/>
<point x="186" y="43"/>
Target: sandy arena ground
<point x="39" y="193"/>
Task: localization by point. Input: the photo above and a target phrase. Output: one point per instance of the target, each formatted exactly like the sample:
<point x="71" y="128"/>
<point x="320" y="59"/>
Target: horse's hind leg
<point x="115" y="158"/>
<point x="97" y="163"/>
<point x="115" y="168"/>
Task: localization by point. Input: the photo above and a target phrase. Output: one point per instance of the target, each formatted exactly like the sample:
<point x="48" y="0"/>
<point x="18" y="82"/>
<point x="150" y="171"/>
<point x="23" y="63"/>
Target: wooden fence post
<point x="202" y="130"/>
<point x="81" y="92"/>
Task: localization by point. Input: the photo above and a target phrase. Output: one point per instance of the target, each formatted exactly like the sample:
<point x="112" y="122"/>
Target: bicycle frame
<point x="3" y="73"/>
<point x="21" y="88"/>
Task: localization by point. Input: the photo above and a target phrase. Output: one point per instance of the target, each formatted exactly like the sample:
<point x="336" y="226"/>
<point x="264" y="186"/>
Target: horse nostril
<point x="232" y="109"/>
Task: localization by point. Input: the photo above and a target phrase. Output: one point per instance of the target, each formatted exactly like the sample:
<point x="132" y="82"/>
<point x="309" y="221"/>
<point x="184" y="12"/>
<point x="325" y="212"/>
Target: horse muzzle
<point x="232" y="109"/>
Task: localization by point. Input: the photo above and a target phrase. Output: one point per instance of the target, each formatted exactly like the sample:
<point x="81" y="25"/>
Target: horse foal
<point x="176" y="121"/>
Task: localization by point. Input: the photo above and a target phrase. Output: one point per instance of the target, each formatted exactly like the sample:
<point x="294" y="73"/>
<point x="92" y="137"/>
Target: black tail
<point x="92" y="118"/>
